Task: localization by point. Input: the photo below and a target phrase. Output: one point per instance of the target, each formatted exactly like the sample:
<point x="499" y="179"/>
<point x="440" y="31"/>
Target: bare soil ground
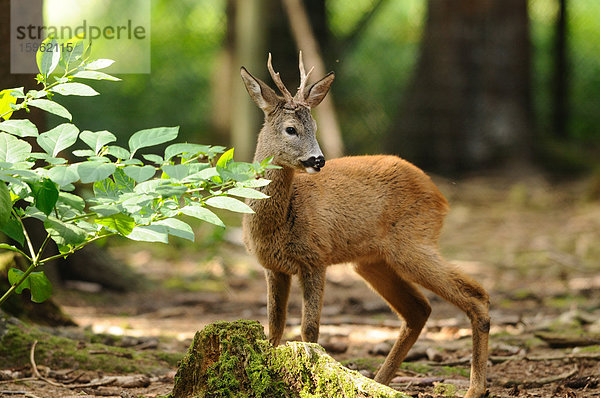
<point x="534" y="245"/>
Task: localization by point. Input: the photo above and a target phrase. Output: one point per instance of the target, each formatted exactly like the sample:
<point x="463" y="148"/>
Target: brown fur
<point x="379" y="212"/>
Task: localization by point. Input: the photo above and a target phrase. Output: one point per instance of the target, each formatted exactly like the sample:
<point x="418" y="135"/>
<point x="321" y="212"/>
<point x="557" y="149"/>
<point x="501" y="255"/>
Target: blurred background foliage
<point x="373" y="46"/>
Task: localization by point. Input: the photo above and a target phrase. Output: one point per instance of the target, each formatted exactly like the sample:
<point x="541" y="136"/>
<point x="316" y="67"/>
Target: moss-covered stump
<point x="234" y="359"/>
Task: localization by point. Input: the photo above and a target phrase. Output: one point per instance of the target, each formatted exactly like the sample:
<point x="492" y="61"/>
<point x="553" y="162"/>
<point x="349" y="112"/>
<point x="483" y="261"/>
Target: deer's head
<point x="289" y="131"/>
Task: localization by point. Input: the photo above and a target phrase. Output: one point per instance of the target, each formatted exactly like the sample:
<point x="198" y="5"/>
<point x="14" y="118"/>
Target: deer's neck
<point x="271" y="213"/>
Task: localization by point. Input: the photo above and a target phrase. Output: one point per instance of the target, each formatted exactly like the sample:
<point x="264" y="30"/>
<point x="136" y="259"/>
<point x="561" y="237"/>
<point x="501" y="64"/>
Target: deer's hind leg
<point x="426" y="267"/>
<point x="407" y="301"/>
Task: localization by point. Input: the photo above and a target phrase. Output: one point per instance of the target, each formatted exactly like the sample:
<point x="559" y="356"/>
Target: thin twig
<point x="37" y="374"/>
<point x="101" y="382"/>
<point x="542" y="381"/>
<point x="35" y="369"/>
<point x="18" y="380"/>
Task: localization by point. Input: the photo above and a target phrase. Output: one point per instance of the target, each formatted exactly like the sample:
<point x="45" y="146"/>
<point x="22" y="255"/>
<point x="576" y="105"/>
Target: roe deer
<point x="379" y="212"/>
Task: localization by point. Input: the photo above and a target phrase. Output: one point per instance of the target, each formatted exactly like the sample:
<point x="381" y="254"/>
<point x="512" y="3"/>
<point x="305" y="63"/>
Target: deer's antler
<point x="303" y="80"/>
<point x="277" y="79"/>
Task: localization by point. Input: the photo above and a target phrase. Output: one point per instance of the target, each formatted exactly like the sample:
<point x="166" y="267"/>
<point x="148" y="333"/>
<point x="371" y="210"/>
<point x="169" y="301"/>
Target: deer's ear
<point x="315" y="93"/>
<point x="261" y="94"/>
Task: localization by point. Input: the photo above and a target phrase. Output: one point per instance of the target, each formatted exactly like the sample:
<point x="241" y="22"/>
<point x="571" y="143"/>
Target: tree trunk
<point x="469" y="103"/>
<point x="561" y="73"/>
<point x="306" y="40"/>
<point x="232" y="359"/>
<point x="249" y="51"/>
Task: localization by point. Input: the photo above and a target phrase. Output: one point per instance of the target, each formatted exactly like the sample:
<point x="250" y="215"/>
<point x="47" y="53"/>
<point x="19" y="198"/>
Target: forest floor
<point x="534" y="245"/>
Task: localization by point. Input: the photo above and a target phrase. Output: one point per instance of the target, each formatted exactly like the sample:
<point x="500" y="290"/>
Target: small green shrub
<point x="139" y="199"/>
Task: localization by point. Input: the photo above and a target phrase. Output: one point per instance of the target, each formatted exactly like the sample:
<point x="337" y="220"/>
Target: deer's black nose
<point x="316" y="162"/>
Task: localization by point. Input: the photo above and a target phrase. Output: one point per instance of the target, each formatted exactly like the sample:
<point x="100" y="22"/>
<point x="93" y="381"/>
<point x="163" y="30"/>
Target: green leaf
<point x="19" y="127"/>
<point x="177" y="228"/>
<point x="12" y="228"/>
<point x="45" y="195"/>
<point x="177" y="171"/>
<point x="118" y="152"/>
<point x="132" y="162"/>
<point x="71" y="200"/>
<point x="89" y="74"/>
<point x="97" y="140"/>
<point x="5" y="204"/>
<point x="225" y="158"/>
<point x="237" y="171"/>
<point x="246" y="193"/>
<point x="207" y="173"/>
<point x="150" y="137"/>
<point x="6" y="100"/>
<point x="73" y="50"/>
<point x="64" y="233"/>
<point x="12" y="149"/>
<point x="105" y="210"/>
<point x="79" y="89"/>
<point x="140" y="174"/>
<point x="55" y="161"/>
<point x="121" y="223"/>
<point x="99" y="64"/>
<point x="88" y="51"/>
<point x="59" y="138"/>
<point x="166" y="190"/>
<point x="224" y="202"/>
<point x="63" y="175"/>
<point x="256" y="183"/>
<point x="202" y="213"/>
<point x="95" y="171"/>
<point x="6" y="246"/>
<point x="105" y="188"/>
<point x="123" y="182"/>
<point x="84" y="153"/>
<point x="37" y="283"/>
<point x="150" y="233"/>
<point x="149" y="186"/>
<point x="52" y="107"/>
<point x="181" y="148"/>
<point x="48" y="55"/>
<point x="154" y="158"/>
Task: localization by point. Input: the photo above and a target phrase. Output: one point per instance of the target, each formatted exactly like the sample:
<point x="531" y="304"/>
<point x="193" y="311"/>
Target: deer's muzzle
<point x="314" y="163"/>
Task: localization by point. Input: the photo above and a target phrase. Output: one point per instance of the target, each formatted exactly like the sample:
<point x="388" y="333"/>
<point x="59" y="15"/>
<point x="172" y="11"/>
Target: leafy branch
<point x="142" y="199"/>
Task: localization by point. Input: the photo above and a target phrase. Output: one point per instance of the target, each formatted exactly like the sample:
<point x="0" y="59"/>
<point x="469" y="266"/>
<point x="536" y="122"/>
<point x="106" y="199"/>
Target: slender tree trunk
<point x="561" y="102"/>
<point x="469" y="104"/>
<point x="249" y="37"/>
<point x="330" y="133"/>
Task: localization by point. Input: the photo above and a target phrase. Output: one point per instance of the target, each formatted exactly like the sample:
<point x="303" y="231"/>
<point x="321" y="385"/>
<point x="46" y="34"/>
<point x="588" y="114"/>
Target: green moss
<point x="319" y="375"/>
<point x="445" y="389"/>
<point x="563" y="302"/>
<point x="453" y="371"/>
<point x="416" y="367"/>
<point x="61" y="352"/>
<point x="370" y="363"/>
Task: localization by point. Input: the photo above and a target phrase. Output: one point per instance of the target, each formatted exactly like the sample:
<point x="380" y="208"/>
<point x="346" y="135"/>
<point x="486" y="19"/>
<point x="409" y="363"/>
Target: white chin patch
<point x="311" y="170"/>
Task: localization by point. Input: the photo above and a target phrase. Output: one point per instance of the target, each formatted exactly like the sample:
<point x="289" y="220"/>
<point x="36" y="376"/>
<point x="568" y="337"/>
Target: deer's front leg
<point x="312" y="282"/>
<point x="278" y="290"/>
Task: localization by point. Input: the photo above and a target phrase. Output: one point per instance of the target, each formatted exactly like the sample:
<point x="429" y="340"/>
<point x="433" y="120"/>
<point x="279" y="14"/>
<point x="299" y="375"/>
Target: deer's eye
<point x="291" y="131"/>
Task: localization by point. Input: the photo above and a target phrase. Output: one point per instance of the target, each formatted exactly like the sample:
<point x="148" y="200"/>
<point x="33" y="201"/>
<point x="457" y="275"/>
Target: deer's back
<point x="357" y="205"/>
